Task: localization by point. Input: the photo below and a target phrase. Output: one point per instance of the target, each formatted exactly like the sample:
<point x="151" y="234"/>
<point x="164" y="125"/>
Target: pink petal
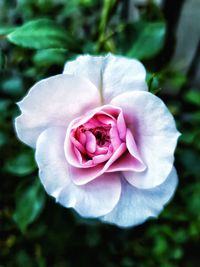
<point x="111" y="111"/>
<point x="69" y="151"/>
<point x="83" y="163"/>
<point x="82" y="138"/>
<point x="121" y="126"/>
<point x="92" y="123"/>
<point x="72" y="155"/>
<point x="132" y="147"/>
<point x="107" y="110"/>
<point x="106" y="119"/>
<point x="83" y="176"/>
<point x="101" y="150"/>
<point x="114" y="137"/>
<point x="117" y="154"/>
<point x="127" y="163"/>
<point x="103" y="157"/>
<point x="90" y="142"/>
<point x="78" y="145"/>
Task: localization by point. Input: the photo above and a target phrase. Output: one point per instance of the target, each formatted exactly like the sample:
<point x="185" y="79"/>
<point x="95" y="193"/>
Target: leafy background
<point x="36" y="38"/>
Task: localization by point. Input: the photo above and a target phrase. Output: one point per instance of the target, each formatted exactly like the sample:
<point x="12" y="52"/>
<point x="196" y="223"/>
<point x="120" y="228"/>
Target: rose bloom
<point x="104" y="144"/>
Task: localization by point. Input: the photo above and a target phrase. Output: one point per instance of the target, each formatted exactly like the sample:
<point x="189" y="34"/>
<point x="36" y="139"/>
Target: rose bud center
<point x="96" y="140"/>
<point x="102" y="139"/>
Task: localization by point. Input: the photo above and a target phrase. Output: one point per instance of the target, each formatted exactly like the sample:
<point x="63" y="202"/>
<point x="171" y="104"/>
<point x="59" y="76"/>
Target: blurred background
<point x="36" y="38"/>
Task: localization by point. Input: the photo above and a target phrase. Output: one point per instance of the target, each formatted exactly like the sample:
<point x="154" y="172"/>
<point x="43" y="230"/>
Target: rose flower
<point x="104" y="144"/>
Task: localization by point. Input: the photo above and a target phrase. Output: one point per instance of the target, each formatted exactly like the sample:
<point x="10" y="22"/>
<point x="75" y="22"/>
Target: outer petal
<point x="137" y="205"/>
<point x="94" y="199"/>
<point x="86" y="66"/>
<point x="113" y="75"/>
<point x="155" y="134"/>
<point x="54" y="102"/>
<point x="53" y="167"/>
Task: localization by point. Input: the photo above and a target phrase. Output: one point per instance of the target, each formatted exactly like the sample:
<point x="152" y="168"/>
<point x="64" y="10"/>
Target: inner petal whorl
<point x="96" y="137"/>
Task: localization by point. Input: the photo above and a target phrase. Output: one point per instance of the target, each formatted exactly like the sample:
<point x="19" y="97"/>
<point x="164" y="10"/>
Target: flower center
<point x="98" y="138"/>
<point x="102" y="134"/>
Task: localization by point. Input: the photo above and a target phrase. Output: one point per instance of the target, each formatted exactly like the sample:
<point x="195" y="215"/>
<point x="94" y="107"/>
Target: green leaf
<point x="177" y="80"/>
<point x="3" y="138"/>
<point x="149" y="40"/>
<point x="12" y="86"/>
<point x="21" y="164"/>
<point x="107" y="10"/>
<point x="4" y="106"/>
<point x="153" y="83"/>
<point x="23" y="259"/>
<point x="4" y="30"/>
<point x="39" y="34"/>
<point x="187" y="137"/>
<point x="193" y="97"/>
<point x="196" y="117"/>
<point x="29" y="204"/>
<point x="2" y="60"/>
<point x="108" y="5"/>
<point x="48" y="57"/>
<point x="189" y="158"/>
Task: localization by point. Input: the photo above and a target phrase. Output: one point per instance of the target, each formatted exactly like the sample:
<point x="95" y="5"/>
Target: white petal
<point x="54" y="102"/>
<point x="86" y="66"/>
<point x="92" y="200"/>
<point x="137" y="205"/>
<point x="111" y="74"/>
<point x="50" y="157"/>
<point x="155" y="134"/>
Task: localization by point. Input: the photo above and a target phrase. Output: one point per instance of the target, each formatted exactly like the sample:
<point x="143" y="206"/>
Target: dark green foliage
<point x="4" y="30"/>
<point x="36" y="38"/>
<point x="150" y="37"/>
<point x="48" y="57"/>
<point x="29" y="204"/>
<point x="21" y="163"/>
<point x="39" y="34"/>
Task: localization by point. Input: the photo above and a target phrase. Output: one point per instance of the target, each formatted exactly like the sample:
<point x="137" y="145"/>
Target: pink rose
<point x="104" y="144"/>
